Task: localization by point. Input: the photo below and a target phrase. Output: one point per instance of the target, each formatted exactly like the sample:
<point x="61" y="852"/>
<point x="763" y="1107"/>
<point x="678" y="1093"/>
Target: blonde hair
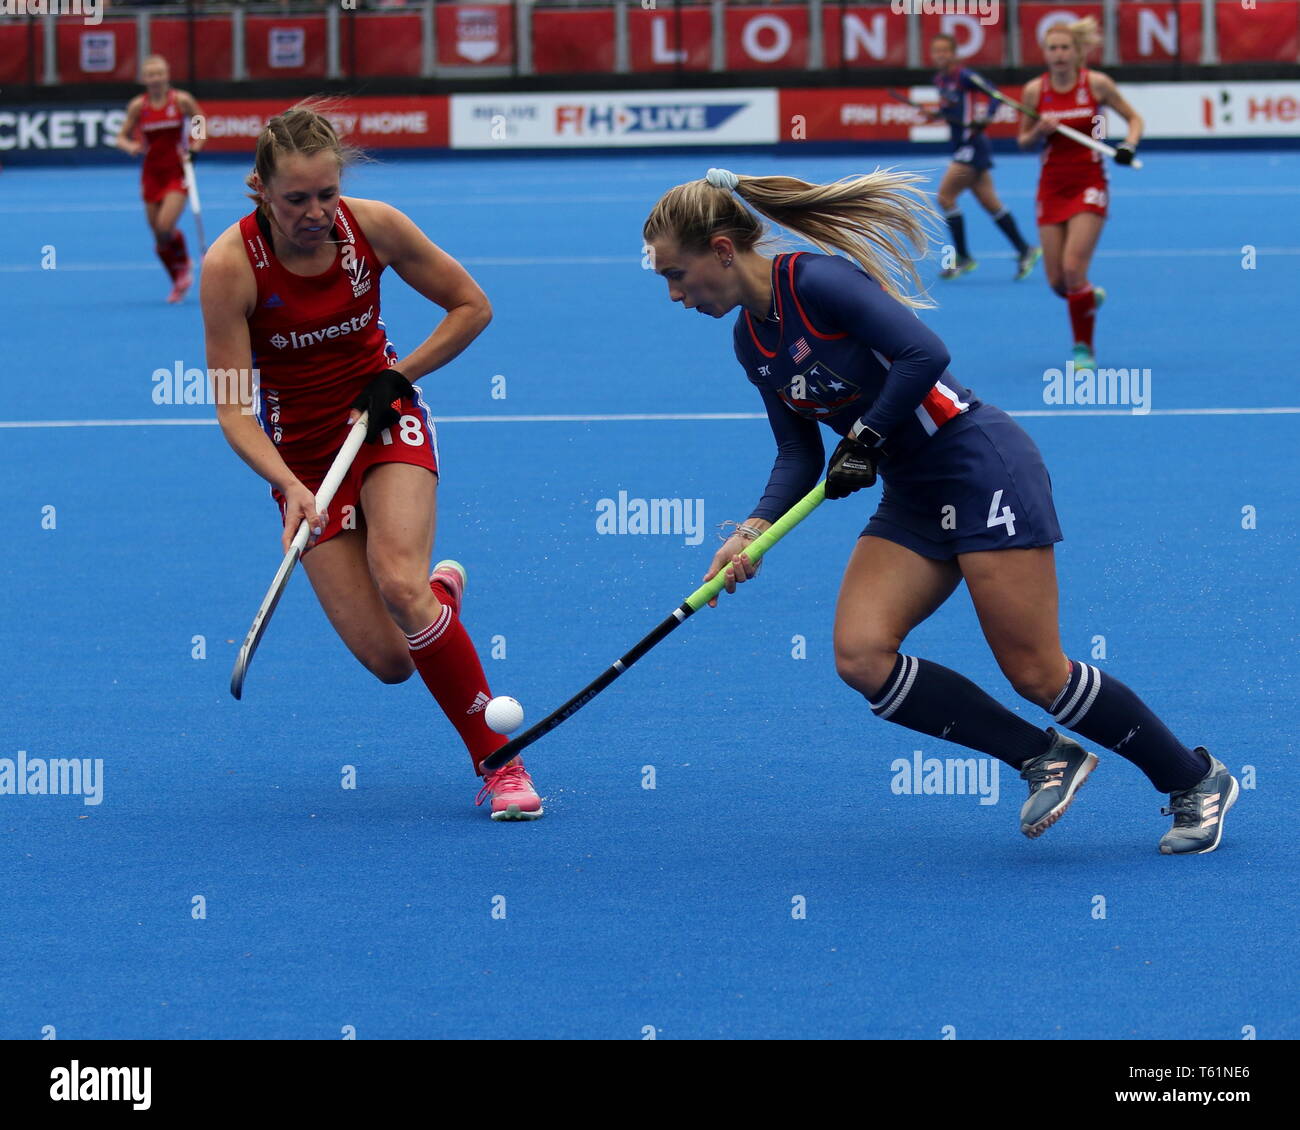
<point x="1084" y="33"/>
<point x="881" y="220"/>
<point x="303" y="128"/>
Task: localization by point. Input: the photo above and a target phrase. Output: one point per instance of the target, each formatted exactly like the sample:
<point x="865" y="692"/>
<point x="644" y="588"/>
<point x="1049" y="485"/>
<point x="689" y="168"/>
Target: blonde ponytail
<point x="881" y="220"/>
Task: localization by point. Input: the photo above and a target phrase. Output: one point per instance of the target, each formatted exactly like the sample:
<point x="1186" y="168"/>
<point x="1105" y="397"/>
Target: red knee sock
<point x="164" y="253"/>
<point x="180" y="253"/>
<point x="174" y="254"/>
<point x="1083" y="311"/>
<point x="445" y="657"/>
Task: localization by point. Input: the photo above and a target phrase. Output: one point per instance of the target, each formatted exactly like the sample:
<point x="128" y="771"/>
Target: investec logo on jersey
<point x="616" y="119"/>
<point x="308" y="338"/>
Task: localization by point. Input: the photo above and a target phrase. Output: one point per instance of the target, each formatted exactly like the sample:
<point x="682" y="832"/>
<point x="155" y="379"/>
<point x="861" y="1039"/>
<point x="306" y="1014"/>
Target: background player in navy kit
<point x="967" y="110"/>
<point x="834" y="340"/>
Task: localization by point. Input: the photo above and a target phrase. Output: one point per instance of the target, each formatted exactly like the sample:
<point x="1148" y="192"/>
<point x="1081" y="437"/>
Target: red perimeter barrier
<point x="379" y="47"/>
<point x="757" y="37"/>
<point x="380" y="121"/>
<point x="1267" y="31"/>
<point x="476" y="36"/>
<point x="863" y="114"/>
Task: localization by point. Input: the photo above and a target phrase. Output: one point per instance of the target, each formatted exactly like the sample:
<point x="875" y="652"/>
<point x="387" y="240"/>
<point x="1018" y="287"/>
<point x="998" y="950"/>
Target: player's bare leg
<point x="1051" y="238"/>
<point x="886" y="591"/>
<point x="985" y="192"/>
<point x="400" y="506"/>
<point x="399" y="501"/>
<point x="339" y="571"/>
<point x="956" y="179"/>
<point x="163" y="216"/>
<point x="1015" y="595"/>
<point x="1082" y="231"/>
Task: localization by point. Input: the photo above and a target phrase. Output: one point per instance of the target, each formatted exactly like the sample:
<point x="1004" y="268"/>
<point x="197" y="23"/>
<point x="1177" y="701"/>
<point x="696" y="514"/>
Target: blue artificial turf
<point x="629" y="908"/>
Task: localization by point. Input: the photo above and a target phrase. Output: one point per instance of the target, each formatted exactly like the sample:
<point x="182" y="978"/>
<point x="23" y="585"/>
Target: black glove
<point x="979" y="125"/>
<point x="853" y="463"/>
<point x="380" y="399"/>
<point x="1124" y="154"/>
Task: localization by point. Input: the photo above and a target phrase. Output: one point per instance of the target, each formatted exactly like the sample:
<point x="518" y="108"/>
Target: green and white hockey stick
<point x="692" y="604"/>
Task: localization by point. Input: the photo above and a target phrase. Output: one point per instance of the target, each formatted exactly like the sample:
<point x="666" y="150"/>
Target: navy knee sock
<point x="1007" y="223"/>
<point x="957" y="225"/>
<point x="1104" y="710"/>
<point x="933" y="700"/>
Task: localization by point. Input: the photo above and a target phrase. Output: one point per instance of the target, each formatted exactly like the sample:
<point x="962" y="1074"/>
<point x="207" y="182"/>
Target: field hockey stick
<point x="338" y="469"/>
<point x="1064" y="130"/>
<point x="192" y="187"/>
<point x="903" y="98"/>
<point x="692" y="604"/>
<point x="897" y="97"/>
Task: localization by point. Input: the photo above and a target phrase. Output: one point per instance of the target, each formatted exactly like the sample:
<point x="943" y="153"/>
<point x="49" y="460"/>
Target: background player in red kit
<point x="294" y="288"/>
<point x="162" y="116"/>
<point x="1072" y="189"/>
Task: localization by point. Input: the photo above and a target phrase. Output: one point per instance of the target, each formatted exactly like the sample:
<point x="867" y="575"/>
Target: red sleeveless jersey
<point x="1077" y="108"/>
<point x="315" y="339"/>
<point x="162" y="129"/>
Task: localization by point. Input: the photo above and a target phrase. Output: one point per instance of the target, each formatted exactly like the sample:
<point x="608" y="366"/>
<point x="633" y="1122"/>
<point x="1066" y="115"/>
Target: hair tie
<point x="722" y="178"/>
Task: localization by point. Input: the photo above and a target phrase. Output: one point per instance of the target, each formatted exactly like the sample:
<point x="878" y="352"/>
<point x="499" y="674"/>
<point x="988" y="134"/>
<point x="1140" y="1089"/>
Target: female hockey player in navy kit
<point x="967" y="110"/>
<point x="834" y="340"/>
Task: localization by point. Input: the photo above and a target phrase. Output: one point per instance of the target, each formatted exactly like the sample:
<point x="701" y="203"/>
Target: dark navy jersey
<point x="839" y="349"/>
<point x="961" y="102"/>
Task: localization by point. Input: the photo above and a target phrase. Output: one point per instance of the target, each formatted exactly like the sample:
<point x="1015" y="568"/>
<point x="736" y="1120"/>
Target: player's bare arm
<point x="1107" y="94"/>
<point x="228" y="295"/>
<point x="124" y="139"/>
<point x="431" y="272"/>
<point x="1031" y="130"/>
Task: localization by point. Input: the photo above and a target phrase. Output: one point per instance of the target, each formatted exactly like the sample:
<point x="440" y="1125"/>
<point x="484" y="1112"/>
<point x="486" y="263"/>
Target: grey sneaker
<point x="1025" y="263"/>
<point x="1198" y="812"/>
<point x="963" y="267"/>
<point x="1054" y="777"/>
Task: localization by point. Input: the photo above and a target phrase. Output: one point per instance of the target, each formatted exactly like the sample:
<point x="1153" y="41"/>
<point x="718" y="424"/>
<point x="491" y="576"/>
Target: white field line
<point x="582" y="200"/>
<point x="623" y="417"/>
<point x="633" y="260"/>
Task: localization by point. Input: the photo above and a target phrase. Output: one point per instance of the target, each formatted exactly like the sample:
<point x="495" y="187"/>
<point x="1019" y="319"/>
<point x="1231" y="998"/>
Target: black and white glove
<point x="1124" y="154"/>
<point x="853" y="462"/>
<point x="381" y="398"/>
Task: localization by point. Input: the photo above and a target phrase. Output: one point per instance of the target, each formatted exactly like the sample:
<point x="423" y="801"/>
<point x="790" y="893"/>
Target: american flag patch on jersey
<point x="800" y="351"/>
